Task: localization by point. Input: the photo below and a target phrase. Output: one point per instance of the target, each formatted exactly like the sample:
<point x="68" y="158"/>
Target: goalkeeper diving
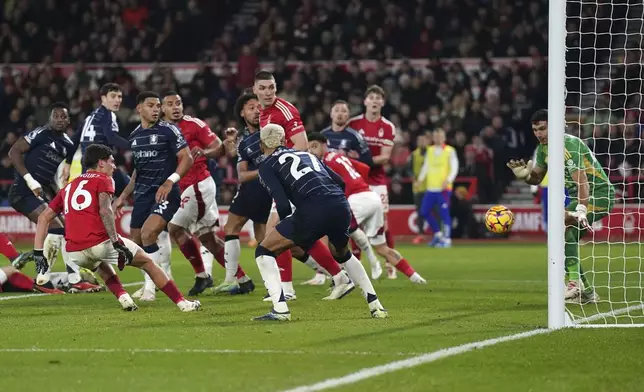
<point x="591" y="198"/>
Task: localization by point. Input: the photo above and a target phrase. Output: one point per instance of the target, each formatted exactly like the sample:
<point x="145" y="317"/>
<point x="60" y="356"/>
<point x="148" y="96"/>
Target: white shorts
<point x="104" y="252"/>
<point x="198" y="207"/>
<point x="382" y="191"/>
<point x="368" y="211"/>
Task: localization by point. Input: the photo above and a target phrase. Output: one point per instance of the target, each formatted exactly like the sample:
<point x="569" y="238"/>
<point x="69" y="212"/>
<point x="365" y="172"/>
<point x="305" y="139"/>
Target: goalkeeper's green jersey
<point x="577" y="156"/>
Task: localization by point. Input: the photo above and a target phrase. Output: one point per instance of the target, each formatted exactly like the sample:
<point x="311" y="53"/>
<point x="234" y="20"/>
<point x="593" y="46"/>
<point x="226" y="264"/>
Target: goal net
<point x="604" y="107"/>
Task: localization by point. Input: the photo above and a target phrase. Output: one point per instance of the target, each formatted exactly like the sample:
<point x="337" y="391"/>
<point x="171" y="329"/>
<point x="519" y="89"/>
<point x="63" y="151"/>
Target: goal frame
<point x="557" y="315"/>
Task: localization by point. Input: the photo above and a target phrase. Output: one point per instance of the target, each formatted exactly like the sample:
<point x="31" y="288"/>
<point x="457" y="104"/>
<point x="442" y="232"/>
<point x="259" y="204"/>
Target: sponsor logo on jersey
<point x="153" y="139"/>
<point x="145" y="154"/>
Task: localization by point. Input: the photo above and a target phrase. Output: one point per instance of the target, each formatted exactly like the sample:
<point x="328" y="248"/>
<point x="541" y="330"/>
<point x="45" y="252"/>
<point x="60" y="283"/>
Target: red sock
<point x="114" y="285"/>
<point x="390" y="239"/>
<point x="285" y="264"/>
<point x="221" y="259"/>
<point x="404" y="267"/>
<point x="322" y="255"/>
<point x="355" y="249"/>
<point x="190" y="250"/>
<point x="170" y="289"/>
<point x="7" y="248"/>
<point x="21" y="281"/>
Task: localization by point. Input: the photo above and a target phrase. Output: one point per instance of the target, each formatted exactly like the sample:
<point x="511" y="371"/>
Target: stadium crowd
<point x="483" y="106"/>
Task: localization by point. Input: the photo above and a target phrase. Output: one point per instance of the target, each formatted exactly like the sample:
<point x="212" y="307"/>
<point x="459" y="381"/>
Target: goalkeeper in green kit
<point x="591" y="194"/>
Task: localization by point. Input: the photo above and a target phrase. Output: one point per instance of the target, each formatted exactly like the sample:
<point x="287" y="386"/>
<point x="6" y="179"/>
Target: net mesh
<point x="604" y="107"/>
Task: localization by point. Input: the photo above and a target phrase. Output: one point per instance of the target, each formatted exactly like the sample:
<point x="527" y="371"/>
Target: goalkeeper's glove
<point x="580" y="215"/>
<point x="42" y="265"/>
<point x="125" y="256"/>
<point x="521" y="169"/>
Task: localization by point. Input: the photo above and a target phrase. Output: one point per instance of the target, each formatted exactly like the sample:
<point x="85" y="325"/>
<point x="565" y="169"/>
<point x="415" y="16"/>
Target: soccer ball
<point x="499" y="219"/>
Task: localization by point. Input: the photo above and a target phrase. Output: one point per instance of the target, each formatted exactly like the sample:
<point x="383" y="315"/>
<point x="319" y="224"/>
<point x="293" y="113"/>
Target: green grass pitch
<point x="85" y="342"/>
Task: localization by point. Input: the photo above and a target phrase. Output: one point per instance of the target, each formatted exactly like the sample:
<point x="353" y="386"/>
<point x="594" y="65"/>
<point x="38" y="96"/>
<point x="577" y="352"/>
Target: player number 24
<point x="76" y="196"/>
<point x="295" y="162"/>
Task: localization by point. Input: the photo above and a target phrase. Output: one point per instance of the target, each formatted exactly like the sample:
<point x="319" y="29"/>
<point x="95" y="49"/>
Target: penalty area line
<point x="11" y="297"/>
<point x="390" y="367"/>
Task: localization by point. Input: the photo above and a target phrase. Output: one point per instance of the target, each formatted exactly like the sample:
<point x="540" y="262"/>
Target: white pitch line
<point x="42" y="294"/>
<point x="612" y="313"/>
<point x="195" y="351"/>
<point x="375" y="371"/>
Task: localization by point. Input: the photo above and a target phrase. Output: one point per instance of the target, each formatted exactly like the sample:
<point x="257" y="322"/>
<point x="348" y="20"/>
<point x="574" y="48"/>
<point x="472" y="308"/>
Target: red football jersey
<point x="197" y="134"/>
<point x="353" y="181"/>
<point x="79" y="202"/>
<point x="378" y="134"/>
<point x="283" y="113"/>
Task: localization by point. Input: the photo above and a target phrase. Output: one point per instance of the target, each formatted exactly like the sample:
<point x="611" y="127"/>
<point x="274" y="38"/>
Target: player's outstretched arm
<point x="527" y="172"/>
<point x="185" y="162"/>
<point x="76" y="137"/>
<point x="244" y="174"/>
<point x="583" y="188"/>
<point x="212" y="150"/>
<point x="17" y="157"/>
<point x="42" y="226"/>
<point x="129" y="188"/>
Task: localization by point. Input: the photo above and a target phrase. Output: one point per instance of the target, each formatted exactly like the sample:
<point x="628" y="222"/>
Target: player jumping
<point x="92" y="240"/>
<point x="365" y="204"/>
<point x="252" y="201"/>
<point x="298" y="177"/>
<point x="379" y="134"/>
<point x="591" y="193"/>
<point x="198" y="213"/>
<point x="36" y="157"/>
<point x="161" y="159"/>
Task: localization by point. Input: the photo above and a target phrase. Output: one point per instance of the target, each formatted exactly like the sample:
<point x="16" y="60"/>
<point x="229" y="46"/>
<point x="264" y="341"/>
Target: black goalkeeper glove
<point x="42" y="265"/>
<point x="125" y="256"/>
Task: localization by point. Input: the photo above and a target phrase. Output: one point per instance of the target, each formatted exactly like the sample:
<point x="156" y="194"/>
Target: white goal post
<point x="602" y="36"/>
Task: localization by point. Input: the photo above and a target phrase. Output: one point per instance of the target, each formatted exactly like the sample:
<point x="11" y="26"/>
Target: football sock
<point x="21" y="281"/>
<point x="357" y="273"/>
<point x="390" y="239"/>
<point x="446" y="220"/>
<point x="267" y="265"/>
<point x="285" y="264"/>
<point x="170" y="289"/>
<point x="190" y="250"/>
<point x="572" y="263"/>
<point x="221" y="260"/>
<point x="153" y="251"/>
<point x="355" y="249"/>
<point x="165" y="253"/>
<point x="362" y="241"/>
<point x="114" y="285"/>
<point x="207" y="258"/>
<point x="322" y="255"/>
<point x="232" y="249"/>
<point x="404" y="267"/>
<point x="73" y="269"/>
<point x="310" y="262"/>
<point x="6" y="248"/>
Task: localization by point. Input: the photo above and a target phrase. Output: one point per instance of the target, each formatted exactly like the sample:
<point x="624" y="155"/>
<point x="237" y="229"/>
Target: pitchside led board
<point x="625" y="222"/>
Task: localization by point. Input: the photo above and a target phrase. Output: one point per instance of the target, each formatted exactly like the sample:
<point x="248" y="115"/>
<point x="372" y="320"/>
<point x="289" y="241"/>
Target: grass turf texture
<point x="474" y="293"/>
